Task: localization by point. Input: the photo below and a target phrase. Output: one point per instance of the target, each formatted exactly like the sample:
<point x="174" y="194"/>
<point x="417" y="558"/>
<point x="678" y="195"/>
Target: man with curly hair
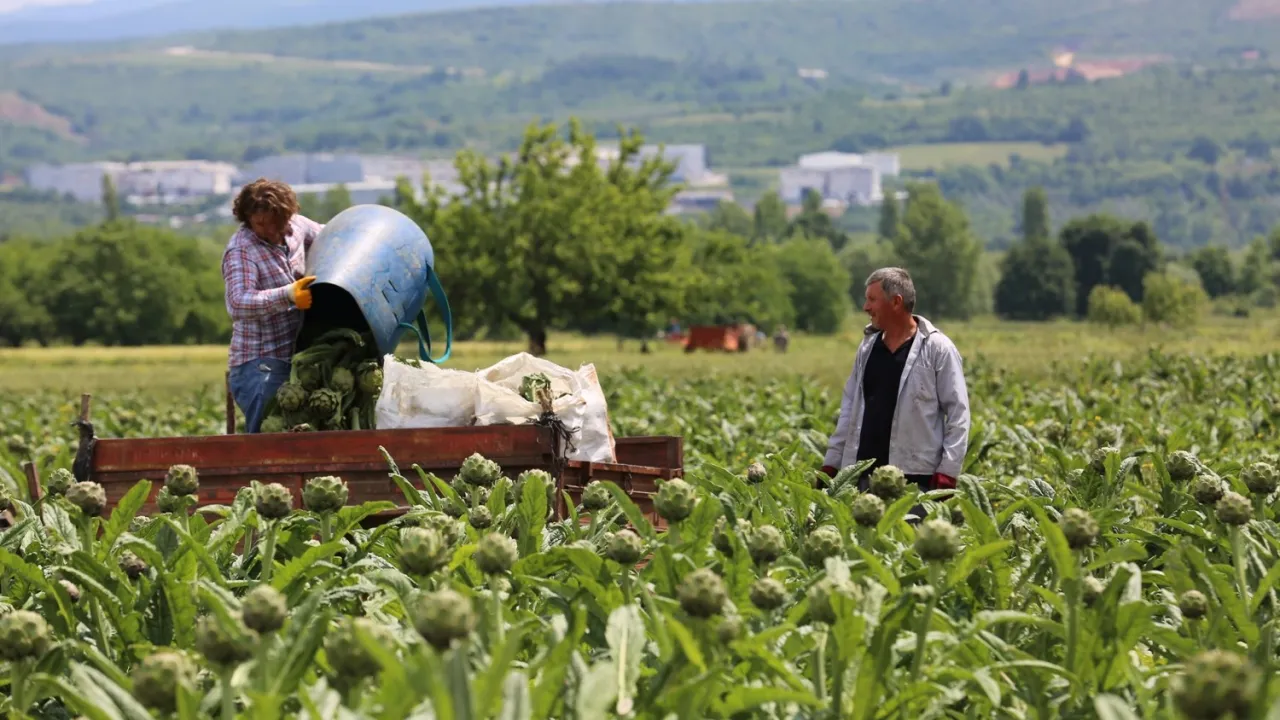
<point x="266" y="290"/>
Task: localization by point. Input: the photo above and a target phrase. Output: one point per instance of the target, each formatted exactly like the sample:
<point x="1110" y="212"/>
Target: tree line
<point x="549" y="239"/>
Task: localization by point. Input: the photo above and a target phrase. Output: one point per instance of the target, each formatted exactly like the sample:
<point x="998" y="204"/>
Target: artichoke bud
<point x="139" y="524"/>
<point x="1207" y="489"/>
<point x="729" y="629"/>
<point x="720" y="537"/>
<point x="596" y="496"/>
<point x="923" y="593"/>
<point x="272" y="424"/>
<point x="624" y="548"/>
<point x="158" y="677"/>
<point x="675" y="500"/>
<point x="309" y="377"/>
<point x="450" y="529"/>
<point x="423" y="550"/>
<point x="1079" y="527"/>
<point x="291" y="397"/>
<point x="1181" y="465"/>
<point x="453" y="509"/>
<point x="17" y="444"/>
<point x="888" y="483"/>
<point x="495" y="554"/>
<point x="1193" y="604"/>
<point x="820" y="595"/>
<point x="342" y="381"/>
<point x="264" y="609"/>
<point x="132" y="565"/>
<point x="937" y="540"/>
<point x="326" y="494"/>
<point x="1234" y="509"/>
<point x="957" y="515"/>
<point x="1098" y="460"/>
<point x="867" y="509"/>
<point x="766" y="544"/>
<point x="1217" y="684"/>
<point x="6" y="500"/>
<point x="479" y="471"/>
<point x="90" y="497"/>
<point x="24" y="635"/>
<point x="1091" y="588"/>
<point x="702" y="593"/>
<point x="182" y="480"/>
<point x="167" y="502"/>
<point x="369" y="377"/>
<point x="60" y="481"/>
<point x="274" y="501"/>
<point x="323" y="403"/>
<point x="223" y="648"/>
<point x="1261" y="478"/>
<point x="442" y="617"/>
<point x="768" y="594"/>
<point x="756" y="473"/>
<point x="346" y="654"/>
<point x="823" y="543"/>
<point x="480" y="517"/>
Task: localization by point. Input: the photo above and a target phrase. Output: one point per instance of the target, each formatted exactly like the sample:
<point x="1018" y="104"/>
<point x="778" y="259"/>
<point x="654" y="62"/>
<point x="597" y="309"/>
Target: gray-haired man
<point x="905" y="403"/>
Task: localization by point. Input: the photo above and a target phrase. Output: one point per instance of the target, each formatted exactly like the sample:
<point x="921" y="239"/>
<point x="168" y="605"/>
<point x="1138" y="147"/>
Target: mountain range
<point x="106" y="20"/>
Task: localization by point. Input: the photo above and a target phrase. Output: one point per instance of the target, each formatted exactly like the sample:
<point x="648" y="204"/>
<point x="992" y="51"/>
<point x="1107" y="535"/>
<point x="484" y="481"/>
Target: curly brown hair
<point x="265" y="196"/>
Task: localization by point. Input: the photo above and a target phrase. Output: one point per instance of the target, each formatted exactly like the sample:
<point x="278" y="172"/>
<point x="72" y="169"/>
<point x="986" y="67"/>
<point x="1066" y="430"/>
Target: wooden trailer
<point x="229" y="462"/>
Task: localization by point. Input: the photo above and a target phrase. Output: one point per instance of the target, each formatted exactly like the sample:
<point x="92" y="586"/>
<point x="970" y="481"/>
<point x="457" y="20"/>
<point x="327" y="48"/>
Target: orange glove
<point x="299" y="294"/>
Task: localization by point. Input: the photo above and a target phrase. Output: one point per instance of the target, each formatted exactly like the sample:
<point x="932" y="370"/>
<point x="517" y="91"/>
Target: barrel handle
<point x="424" y="345"/>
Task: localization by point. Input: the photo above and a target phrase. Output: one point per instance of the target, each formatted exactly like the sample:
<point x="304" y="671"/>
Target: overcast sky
<point x="7" y="6"/>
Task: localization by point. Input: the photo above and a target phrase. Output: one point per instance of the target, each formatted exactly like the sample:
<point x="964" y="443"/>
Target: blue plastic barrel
<point x="374" y="266"/>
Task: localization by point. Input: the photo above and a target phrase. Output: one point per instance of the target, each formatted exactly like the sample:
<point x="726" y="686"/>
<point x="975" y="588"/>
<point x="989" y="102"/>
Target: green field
<point x="942" y="155"/>
<point x="1032" y="350"/>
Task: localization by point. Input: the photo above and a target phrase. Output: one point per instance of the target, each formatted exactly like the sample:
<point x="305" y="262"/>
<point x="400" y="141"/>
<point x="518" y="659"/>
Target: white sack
<point x="425" y="397"/>
<point x="579" y="401"/>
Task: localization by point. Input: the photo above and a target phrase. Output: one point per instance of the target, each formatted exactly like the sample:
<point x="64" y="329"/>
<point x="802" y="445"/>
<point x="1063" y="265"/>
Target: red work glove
<point x="830" y="471"/>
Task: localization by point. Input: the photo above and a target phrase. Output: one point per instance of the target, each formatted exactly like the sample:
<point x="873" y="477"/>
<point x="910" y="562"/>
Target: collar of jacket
<point x="924" y="328"/>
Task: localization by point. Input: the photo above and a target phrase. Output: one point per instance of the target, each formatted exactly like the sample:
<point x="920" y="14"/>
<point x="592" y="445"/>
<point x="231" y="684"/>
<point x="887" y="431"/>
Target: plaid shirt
<point x="258" y="275"/>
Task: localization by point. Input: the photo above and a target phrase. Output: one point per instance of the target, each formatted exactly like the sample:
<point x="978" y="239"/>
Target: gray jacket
<point x="931" y="422"/>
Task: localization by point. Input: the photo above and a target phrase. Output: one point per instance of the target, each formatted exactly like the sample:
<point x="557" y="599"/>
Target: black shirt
<point x="880" y="394"/>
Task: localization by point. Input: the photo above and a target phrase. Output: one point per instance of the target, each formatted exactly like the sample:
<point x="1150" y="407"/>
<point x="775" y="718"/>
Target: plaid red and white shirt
<point x="258" y="275"/>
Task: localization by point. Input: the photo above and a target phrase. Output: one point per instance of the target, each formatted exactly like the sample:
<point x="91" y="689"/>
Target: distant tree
<point x="1106" y="250"/>
<point x="815" y="223"/>
<point x="1170" y="300"/>
<point x="1112" y="307"/>
<point x="889" y="216"/>
<point x="110" y="200"/>
<point x="863" y="258"/>
<point x="730" y="217"/>
<point x="1035" y="214"/>
<point x="819" y="283"/>
<point x="1205" y="149"/>
<point x="940" y="251"/>
<point x="1213" y="265"/>
<point x="1024" y="79"/>
<point x="1037" y="281"/>
<point x="770" y="217"/>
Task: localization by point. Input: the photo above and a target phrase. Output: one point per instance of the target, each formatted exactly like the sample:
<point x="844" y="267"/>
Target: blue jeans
<point x="253" y="384"/>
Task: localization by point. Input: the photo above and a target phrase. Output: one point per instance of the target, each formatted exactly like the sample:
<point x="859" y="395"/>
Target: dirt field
<point x="18" y="110"/>
<point x="1255" y="9"/>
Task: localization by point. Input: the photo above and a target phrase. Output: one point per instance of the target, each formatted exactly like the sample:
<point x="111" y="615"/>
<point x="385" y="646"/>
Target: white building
<point x="328" y="168"/>
<point x="691" y="167"/>
<point x="840" y="177"/>
<point x="144" y="181"/>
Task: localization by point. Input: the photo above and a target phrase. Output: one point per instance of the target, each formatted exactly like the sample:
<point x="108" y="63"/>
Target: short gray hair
<point x="895" y="281"/>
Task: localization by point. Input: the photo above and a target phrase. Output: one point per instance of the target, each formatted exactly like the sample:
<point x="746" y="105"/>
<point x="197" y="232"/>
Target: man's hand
<point x="299" y="294"/>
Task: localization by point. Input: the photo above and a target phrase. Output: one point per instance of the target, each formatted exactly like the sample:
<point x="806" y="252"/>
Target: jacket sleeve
<point x="953" y="396"/>
<point x="835" y="446"/>
<point x="244" y="300"/>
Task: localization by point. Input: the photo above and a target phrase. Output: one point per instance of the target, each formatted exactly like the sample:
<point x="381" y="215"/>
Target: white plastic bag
<point x="425" y="397"/>
<point x="579" y="401"/>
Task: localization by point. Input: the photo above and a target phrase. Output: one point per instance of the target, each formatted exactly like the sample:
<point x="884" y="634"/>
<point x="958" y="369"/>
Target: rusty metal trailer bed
<point x="229" y="462"/>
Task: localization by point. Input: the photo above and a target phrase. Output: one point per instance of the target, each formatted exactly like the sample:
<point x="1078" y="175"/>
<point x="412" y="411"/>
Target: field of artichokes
<point x="1111" y="552"/>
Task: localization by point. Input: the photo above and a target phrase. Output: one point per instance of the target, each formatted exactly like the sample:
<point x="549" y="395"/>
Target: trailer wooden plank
<point x="265" y="452"/>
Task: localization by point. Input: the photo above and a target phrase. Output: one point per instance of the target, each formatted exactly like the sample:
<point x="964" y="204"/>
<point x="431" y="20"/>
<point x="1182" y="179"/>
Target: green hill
<point x="758" y="82"/>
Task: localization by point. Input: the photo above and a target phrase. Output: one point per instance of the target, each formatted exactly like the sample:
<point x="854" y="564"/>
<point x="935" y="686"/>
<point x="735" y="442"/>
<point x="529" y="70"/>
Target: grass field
<point x="936" y="156"/>
<point x="1027" y="349"/>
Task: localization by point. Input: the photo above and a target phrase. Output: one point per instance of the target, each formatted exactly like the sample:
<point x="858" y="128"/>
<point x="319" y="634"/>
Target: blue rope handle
<point x="424" y="347"/>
